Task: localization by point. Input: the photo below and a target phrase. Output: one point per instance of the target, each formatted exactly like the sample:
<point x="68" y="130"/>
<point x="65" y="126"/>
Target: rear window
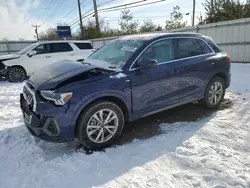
<point x="84" y="46"/>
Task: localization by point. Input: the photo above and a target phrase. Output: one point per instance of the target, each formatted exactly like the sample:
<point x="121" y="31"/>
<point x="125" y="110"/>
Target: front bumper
<point x="3" y="73"/>
<point x="44" y="127"/>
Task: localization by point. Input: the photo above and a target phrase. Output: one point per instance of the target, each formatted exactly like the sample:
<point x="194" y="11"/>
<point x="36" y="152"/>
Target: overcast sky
<point x="17" y="16"/>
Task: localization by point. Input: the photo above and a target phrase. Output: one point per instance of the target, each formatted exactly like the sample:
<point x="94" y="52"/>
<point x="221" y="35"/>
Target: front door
<point x="38" y="60"/>
<point x="157" y="87"/>
<point x="47" y="54"/>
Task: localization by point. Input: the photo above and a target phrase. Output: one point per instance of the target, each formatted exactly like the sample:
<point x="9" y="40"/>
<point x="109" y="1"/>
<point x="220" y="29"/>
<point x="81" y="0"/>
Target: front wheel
<point x="16" y="74"/>
<point x="215" y="92"/>
<point x="100" y="125"/>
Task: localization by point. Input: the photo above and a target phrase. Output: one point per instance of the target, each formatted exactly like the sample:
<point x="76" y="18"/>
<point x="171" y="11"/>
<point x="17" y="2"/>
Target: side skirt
<point x="163" y="109"/>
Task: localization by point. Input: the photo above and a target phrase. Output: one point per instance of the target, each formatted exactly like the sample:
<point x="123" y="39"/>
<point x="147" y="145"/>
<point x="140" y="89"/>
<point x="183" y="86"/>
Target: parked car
<point x="130" y="78"/>
<point x="17" y="67"/>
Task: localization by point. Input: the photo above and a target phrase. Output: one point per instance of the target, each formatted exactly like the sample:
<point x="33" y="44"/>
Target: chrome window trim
<point x="131" y="69"/>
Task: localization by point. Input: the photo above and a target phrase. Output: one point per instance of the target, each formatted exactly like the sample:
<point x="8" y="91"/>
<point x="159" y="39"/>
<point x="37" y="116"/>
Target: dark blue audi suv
<point x="130" y="78"/>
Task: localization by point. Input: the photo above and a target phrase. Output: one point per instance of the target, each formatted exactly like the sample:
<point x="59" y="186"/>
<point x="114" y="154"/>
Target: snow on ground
<point x="211" y="152"/>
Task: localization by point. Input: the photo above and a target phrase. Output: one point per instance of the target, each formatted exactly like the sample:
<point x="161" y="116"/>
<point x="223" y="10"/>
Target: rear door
<point x="195" y="63"/>
<point x="60" y="51"/>
<point x="158" y="87"/>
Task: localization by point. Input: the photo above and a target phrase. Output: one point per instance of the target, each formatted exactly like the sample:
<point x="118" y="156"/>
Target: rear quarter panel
<point x="221" y="66"/>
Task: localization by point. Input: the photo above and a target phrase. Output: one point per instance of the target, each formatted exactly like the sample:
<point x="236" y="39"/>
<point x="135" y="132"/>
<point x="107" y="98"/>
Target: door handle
<point x="71" y="54"/>
<point x="47" y="56"/>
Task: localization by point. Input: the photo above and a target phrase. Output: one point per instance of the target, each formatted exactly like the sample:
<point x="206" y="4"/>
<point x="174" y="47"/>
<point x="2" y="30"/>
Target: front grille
<point x="28" y="95"/>
<point x="30" y="86"/>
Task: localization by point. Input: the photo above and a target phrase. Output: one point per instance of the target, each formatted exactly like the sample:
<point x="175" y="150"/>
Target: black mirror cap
<point x="148" y="63"/>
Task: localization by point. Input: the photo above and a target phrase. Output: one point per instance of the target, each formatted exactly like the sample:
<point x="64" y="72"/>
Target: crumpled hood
<point x="9" y="56"/>
<point x="54" y="74"/>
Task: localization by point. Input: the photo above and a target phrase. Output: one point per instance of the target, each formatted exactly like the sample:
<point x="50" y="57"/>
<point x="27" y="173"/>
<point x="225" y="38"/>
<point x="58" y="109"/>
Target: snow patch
<point x="119" y="75"/>
<point x="210" y="152"/>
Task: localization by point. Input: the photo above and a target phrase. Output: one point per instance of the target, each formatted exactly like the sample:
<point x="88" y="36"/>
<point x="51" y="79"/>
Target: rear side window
<point x="60" y="47"/>
<point x="215" y="48"/>
<point x="187" y="47"/>
<point x="84" y="46"/>
<point x="205" y="48"/>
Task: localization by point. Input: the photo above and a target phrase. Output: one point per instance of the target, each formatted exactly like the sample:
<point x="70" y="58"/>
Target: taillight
<point x="229" y="59"/>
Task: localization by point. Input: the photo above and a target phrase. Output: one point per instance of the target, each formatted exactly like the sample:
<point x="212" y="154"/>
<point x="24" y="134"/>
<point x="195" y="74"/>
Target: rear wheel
<point x="215" y="92"/>
<point x="16" y="74"/>
<point x="100" y="125"/>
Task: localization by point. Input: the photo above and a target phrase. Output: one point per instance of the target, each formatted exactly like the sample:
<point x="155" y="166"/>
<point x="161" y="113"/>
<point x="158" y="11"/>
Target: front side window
<point x="25" y="50"/>
<point x="187" y="47"/>
<point x="42" y="49"/>
<point x="60" y="47"/>
<point x="162" y="51"/>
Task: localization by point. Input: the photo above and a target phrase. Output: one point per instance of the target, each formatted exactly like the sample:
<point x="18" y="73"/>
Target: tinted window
<point x="161" y="51"/>
<point x="205" y="48"/>
<point x="187" y="47"/>
<point x="215" y="48"/>
<point x="84" y="46"/>
<point x="60" y="47"/>
<point x="42" y="49"/>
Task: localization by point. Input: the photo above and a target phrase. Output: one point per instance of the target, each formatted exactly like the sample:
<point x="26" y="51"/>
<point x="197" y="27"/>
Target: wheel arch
<point x="111" y="98"/>
<point x="220" y="74"/>
<point x="17" y="66"/>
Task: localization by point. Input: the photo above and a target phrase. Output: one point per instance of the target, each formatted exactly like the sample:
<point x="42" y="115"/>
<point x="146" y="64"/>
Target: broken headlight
<point x="57" y="98"/>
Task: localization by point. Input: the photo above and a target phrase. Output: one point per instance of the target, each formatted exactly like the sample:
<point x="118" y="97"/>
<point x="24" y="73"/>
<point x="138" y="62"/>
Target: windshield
<point x="115" y="54"/>
<point x="25" y="50"/>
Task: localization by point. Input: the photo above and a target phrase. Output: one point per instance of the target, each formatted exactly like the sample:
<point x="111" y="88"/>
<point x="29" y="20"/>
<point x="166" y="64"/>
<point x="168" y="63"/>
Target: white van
<point x="38" y="55"/>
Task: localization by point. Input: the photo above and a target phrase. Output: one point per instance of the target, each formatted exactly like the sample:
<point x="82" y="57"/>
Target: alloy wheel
<point x="215" y="93"/>
<point x="102" y="126"/>
<point x="16" y="75"/>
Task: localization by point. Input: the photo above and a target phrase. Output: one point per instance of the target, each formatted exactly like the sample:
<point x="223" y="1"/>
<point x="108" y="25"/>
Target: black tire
<point x="86" y="115"/>
<point x="16" y="74"/>
<point x="205" y="101"/>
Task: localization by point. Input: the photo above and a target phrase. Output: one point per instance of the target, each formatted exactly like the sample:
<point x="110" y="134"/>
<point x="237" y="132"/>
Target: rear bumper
<point x="45" y="127"/>
<point x="228" y="80"/>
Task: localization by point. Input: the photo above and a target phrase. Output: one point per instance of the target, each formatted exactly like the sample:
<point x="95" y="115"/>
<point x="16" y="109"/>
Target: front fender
<point x="12" y="62"/>
<point x="90" y="98"/>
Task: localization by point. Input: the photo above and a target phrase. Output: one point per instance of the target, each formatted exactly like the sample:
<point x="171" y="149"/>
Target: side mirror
<point x="31" y="53"/>
<point x="148" y="63"/>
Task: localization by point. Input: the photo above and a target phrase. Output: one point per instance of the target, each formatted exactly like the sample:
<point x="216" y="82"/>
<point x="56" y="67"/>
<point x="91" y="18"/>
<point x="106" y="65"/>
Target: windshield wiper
<point x="86" y="63"/>
<point x="112" y="67"/>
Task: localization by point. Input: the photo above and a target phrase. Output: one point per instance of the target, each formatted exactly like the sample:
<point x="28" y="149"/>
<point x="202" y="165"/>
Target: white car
<point x="40" y="54"/>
